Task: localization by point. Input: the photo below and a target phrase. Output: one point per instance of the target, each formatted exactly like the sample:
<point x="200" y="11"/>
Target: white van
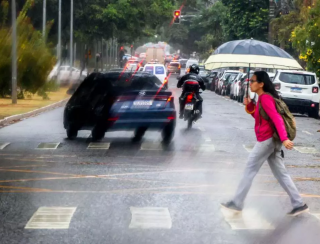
<point x="158" y="70"/>
<point x="299" y="90"/>
<point x="189" y="63"/>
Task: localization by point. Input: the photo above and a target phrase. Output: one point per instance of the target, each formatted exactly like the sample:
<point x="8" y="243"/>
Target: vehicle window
<point x="159" y="70"/>
<point x="149" y="69"/>
<point x="174" y="64"/>
<point x="300" y="79"/>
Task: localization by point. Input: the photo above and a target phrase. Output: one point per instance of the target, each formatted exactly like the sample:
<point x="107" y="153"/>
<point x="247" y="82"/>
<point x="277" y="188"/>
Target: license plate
<point x="143" y="103"/>
<point x="296" y="90"/>
<point x="188" y="106"/>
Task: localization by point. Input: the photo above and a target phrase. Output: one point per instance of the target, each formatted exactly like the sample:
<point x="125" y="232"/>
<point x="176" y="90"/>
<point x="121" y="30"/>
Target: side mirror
<point x="178" y="77"/>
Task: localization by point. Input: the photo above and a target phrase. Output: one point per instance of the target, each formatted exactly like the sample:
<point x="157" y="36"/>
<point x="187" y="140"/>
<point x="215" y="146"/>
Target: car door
<point x="160" y="72"/>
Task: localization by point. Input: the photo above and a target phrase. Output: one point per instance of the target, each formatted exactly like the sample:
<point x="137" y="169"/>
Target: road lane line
<point x="4" y="145"/>
<point x="150" y="218"/>
<point x="307" y="132"/>
<point x="40" y="172"/>
<point x="51" y="218"/>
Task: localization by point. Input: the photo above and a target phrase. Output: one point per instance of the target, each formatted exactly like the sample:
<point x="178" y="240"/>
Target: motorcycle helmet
<point x="194" y="69"/>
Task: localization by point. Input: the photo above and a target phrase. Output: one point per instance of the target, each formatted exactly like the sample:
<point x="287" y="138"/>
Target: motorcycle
<point x="191" y="114"/>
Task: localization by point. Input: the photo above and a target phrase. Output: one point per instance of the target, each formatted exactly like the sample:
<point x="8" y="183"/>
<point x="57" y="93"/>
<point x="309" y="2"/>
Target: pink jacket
<point x="263" y="128"/>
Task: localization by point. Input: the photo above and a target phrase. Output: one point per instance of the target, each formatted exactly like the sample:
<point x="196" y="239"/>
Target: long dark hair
<point x="263" y="77"/>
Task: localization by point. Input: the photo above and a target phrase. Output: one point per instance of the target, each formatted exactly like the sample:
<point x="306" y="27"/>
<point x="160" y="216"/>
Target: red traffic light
<point x="177" y="13"/>
<point x="121" y="48"/>
<point x="131" y="46"/>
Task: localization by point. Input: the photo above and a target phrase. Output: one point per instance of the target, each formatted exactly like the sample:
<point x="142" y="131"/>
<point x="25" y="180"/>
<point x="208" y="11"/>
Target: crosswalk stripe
<point x="150" y="218"/>
<point x="51" y="218"/>
<point x="248" y="219"/>
<point x="307" y="150"/>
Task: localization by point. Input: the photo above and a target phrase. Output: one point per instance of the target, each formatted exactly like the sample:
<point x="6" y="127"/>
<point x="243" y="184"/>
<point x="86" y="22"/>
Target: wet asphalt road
<point x="145" y="193"/>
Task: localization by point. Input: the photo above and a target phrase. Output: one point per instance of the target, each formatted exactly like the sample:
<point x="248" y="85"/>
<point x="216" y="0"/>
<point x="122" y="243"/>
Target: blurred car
<point x="183" y="63"/>
<point x="190" y="62"/>
<point x="132" y="64"/>
<point x="142" y="55"/>
<point x="237" y="86"/>
<point x="67" y="75"/>
<point x="233" y="88"/>
<point x="231" y="81"/>
<point x="159" y="71"/>
<point x="204" y="74"/>
<point x="120" y="101"/>
<point x="223" y="78"/>
<point x="174" y="67"/>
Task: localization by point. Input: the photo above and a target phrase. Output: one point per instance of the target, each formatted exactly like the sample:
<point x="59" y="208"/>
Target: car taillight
<point x="315" y="89"/>
<point x="179" y="67"/>
<point x="247" y="79"/>
<point x="277" y="86"/>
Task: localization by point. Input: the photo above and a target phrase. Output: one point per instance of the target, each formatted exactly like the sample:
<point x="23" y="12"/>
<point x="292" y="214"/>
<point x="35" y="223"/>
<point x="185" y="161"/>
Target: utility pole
<point x="59" y="36"/>
<point x="14" y="53"/>
<point x="44" y="19"/>
<point x="71" y="35"/>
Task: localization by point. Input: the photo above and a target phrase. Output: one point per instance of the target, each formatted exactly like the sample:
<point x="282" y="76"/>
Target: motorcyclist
<point x="191" y="76"/>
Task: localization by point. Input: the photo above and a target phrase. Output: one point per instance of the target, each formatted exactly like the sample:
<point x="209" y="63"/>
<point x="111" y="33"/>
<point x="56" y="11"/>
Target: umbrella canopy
<point x="253" y="53"/>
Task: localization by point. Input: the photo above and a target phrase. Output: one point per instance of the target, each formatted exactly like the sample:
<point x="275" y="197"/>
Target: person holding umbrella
<point x="266" y="148"/>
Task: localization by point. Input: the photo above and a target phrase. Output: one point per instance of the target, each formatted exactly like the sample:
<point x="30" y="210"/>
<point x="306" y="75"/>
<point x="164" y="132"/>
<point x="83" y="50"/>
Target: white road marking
<point x="249" y="219"/>
<point x="151" y="146"/>
<point x="307" y="132"/>
<point x="51" y="218"/>
<point x="150" y="218"/>
<point x="48" y="145"/>
<point x="249" y="148"/>
<point x="4" y="145"/>
<point x="206" y="148"/>
<point x="99" y="145"/>
<point x="207" y="138"/>
<point x="309" y="150"/>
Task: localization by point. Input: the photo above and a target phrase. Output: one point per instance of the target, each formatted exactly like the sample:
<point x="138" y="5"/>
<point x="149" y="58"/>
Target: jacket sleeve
<point x="181" y="81"/>
<point x="269" y="106"/>
<point x="251" y="108"/>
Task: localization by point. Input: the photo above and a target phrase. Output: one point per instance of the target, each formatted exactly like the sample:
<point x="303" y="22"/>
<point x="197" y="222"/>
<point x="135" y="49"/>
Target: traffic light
<point x="131" y="46"/>
<point x="176" y="16"/>
<point x="121" y="48"/>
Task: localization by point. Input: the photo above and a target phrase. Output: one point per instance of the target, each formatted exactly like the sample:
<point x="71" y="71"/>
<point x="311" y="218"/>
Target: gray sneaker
<point x="231" y="206"/>
<point x="299" y="210"/>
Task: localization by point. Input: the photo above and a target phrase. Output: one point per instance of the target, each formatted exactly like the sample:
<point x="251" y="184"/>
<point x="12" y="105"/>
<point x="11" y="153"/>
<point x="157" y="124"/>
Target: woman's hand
<point x="288" y="144"/>
<point x="246" y="101"/>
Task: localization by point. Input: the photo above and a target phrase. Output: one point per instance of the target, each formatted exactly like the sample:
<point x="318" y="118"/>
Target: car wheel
<point x="139" y="133"/>
<point x="72" y="133"/>
<point x="168" y="132"/>
<point x="97" y="134"/>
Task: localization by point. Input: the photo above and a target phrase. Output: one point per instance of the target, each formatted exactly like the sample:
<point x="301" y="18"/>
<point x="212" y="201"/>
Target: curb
<point x="15" y="118"/>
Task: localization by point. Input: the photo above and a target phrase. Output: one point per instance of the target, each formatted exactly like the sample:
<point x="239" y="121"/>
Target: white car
<point x="132" y="64"/>
<point x="224" y="76"/>
<point x="142" y="55"/>
<point x="158" y="70"/>
<point x="66" y="74"/>
<point x="299" y="90"/>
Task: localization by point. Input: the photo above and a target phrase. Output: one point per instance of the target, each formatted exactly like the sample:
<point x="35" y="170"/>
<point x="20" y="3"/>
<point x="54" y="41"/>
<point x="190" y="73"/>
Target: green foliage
<point x="305" y="37"/>
<point x="246" y="19"/>
<point x="35" y="60"/>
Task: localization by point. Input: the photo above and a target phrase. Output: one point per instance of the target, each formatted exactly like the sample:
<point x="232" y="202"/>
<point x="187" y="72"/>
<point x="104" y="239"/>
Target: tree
<point x="246" y="19"/>
<point x="34" y="58"/>
<point x="305" y="37"/>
